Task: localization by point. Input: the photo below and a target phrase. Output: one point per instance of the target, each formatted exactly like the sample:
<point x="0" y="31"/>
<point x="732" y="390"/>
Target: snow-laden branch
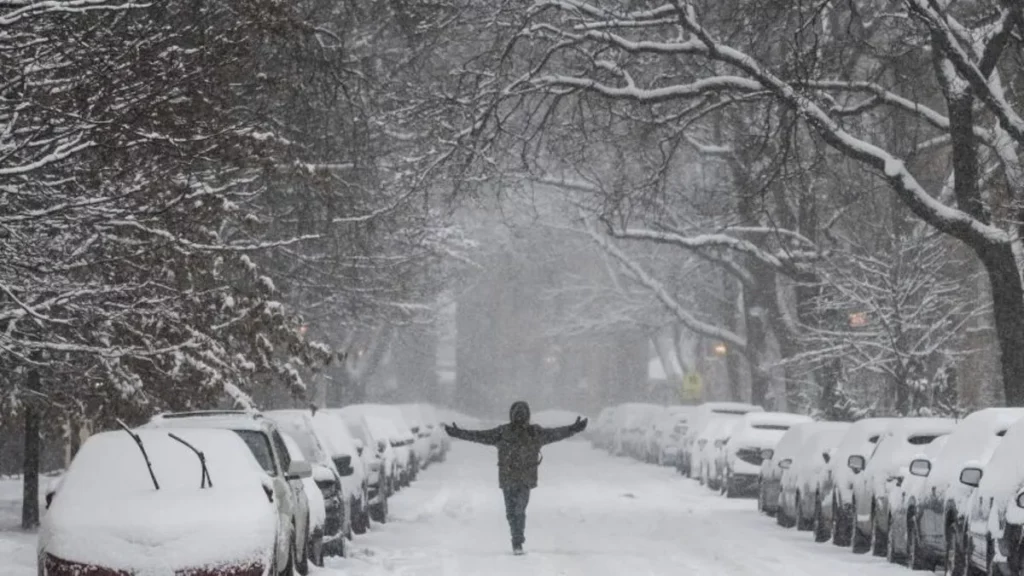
<point x="641" y="276"/>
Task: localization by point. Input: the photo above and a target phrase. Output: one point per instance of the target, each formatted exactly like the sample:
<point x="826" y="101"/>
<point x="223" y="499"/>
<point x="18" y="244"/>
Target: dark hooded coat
<point x="519" y="443"/>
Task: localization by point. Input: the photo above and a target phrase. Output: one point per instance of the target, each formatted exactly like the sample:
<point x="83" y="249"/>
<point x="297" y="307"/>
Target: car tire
<point x="803" y="524"/>
<point x="315" y="550"/>
<point x="840" y="526"/>
<point x="822" y="533"/>
<point x="379" y="511"/>
<point x="358" y="519"/>
<point x="879" y="542"/>
<point x="289" y="566"/>
<point x="859" y="542"/>
<point x="955" y="561"/>
<point x="915" y="557"/>
<point x="302" y="560"/>
<point x="891" y="555"/>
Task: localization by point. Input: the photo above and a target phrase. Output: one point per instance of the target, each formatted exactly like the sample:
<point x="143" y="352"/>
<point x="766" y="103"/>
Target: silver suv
<point x="285" y="476"/>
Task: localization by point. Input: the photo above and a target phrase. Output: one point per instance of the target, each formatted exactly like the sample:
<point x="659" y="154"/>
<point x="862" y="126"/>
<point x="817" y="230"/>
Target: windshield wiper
<point x="142" y="448"/>
<point x="205" y="481"/>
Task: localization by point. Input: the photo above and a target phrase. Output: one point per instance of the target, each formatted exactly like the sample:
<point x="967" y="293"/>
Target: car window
<point x="874" y="439"/>
<point x="257" y="442"/>
<point x="781" y="427"/>
<point x="282" y="450"/>
<point x="922" y="439"/>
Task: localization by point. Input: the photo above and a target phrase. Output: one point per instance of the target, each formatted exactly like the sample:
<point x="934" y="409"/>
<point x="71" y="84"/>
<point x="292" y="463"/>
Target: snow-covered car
<point x="413" y="417"/>
<point x="888" y="465"/>
<point x="995" y="515"/>
<point x="599" y="430"/>
<point x="404" y="437"/>
<point x="769" y="484"/>
<point x="147" y="502"/>
<point x="650" y="445"/>
<point x="936" y="531"/>
<point x="705" y="448"/>
<point x="381" y="431"/>
<point x="903" y="497"/>
<point x="698" y="420"/>
<point x="799" y="500"/>
<point x="439" y="441"/>
<point x="378" y="478"/>
<point x="401" y="440"/>
<point x="757" y="433"/>
<point x="671" y="430"/>
<point x="342" y="447"/>
<point x="631" y="420"/>
<point x="835" y="482"/>
<point x="298" y="424"/>
<point x="712" y="448"/>
<point x="314" y="503"/>
<point x="264" y="440"/>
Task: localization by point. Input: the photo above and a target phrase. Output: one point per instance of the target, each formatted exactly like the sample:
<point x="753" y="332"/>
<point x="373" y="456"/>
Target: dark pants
<point x="516" y="499"/>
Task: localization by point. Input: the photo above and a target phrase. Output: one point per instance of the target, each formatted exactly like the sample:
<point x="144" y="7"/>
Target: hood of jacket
<point x="519" y="413"/>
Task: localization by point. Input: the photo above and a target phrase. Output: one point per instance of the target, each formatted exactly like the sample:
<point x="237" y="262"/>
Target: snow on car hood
<point x="162" y="531"/>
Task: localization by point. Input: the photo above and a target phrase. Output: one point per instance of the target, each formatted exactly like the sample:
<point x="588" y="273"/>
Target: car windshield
<point x="260" y="446"/>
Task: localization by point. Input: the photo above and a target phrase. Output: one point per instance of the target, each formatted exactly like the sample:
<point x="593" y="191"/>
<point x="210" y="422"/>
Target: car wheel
<point x="379" y="511"/>
<point x="915" y="557"/>
<point x="859" y="542"/>
<point x="954" y="564"/>
<point x="840" y="525"/>
<point x="820" y="529"/>
<point x="358" y="518"/>
<point x="289" y="566"/>
<point x="803" y="524"/>
<point x="890" y="548"/>
<point x="302" y="560"/>
<point x="730" y="487"/>
<point x="315" y="551"/>
<point x="879" y="541"/>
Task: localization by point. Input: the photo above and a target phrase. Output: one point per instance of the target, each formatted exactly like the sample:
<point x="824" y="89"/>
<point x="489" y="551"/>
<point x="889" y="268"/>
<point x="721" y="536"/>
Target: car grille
<point x="750" y="455"/>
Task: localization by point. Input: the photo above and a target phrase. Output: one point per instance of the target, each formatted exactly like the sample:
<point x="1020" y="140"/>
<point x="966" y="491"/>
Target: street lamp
<point x="720" y="349"/>
<point x="858" y="320"/>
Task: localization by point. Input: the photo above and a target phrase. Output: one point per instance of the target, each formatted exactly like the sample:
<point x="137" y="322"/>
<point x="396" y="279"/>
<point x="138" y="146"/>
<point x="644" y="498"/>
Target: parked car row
<point x="233" y="493"/>
<point x="929" y="493"/>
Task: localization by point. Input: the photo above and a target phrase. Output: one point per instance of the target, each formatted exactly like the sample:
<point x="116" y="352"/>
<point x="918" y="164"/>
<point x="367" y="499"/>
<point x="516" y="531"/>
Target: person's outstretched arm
<point x="549" y="435"/>
<point x="488" y="437"/>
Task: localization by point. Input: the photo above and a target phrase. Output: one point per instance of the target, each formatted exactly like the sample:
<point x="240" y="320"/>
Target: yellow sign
<point x="693" y="387"/>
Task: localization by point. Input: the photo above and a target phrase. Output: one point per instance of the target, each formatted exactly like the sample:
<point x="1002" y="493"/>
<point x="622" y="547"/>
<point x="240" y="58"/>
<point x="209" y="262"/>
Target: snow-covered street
<point x="592" y="515"/>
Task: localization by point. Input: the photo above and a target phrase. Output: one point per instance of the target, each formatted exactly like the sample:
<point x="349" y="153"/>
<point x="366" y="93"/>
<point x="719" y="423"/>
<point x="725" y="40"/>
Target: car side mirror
<point x="826" y="456"/>
<point x="298" y="470"/>
<point x="49" y="498"/>
<point x="856" y="463"/>
<point x="971" y="476"/>
<point x="344" y="465"/>
<point x="785" y="464"/>
<point x="382" y="446"/>
<point x="322" y="474"/>
<point x="921" y="467"/>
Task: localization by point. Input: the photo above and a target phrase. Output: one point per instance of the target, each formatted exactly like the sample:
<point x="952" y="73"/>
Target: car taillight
<point x="244" y="569"/>
<point x="59" y="567"/>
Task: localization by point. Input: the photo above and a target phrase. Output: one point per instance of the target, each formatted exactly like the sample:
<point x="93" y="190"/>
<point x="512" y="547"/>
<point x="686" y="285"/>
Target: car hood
<point x="158" y="532"/>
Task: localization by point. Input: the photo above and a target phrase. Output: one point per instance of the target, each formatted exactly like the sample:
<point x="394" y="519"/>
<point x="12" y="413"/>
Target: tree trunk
<point x="30" y="464"/>
<point x="757" y="338"/>
<point x="1008" y="309"/>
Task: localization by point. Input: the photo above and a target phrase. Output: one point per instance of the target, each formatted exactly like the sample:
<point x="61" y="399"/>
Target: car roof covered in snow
<point x="773" y="425"/>
<point x="299" y="425"/>
<point x="391" y="413"/>
<point x="334" y="432"/>
<point x="818" y="438"/>
<point x="973" y="439"/>
<point x="107" y="509"/>
<point x="904" y="439"/>
<point x="720" y="427"/>
<point x="1004" y="472"/>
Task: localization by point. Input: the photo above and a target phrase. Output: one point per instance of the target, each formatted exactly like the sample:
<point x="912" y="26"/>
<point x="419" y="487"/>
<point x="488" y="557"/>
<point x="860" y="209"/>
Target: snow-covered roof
<point x="107" y="511"/>
<point x="903" y="440"/>
<point x="818" y="438"/>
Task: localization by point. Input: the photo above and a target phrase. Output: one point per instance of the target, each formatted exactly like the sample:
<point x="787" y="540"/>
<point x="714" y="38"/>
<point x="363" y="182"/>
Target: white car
<point x="835" y="482"/>
<point x="936" y="534"/>
<point x="264" y="440"/>
<point x="710" y="443"/>
<point x="375" y="462"/>
<point x="413" y="417"/>
<point x="143" y="502"/>
<point x="799" y="500"/>
<point x="769" y="484"/>
<point x="755" y="437"/>
<point x="903" y="497"/>
<point x="888" y="464"/>
<point x="698" y="420"/>
<point x="343" y="450"/>
<point x="338" y="524"/>
<point x="401" y="440"/>
<point x="315" y="504"/>
<point x="995" y="516"/>
<point x="671" y="429"/>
